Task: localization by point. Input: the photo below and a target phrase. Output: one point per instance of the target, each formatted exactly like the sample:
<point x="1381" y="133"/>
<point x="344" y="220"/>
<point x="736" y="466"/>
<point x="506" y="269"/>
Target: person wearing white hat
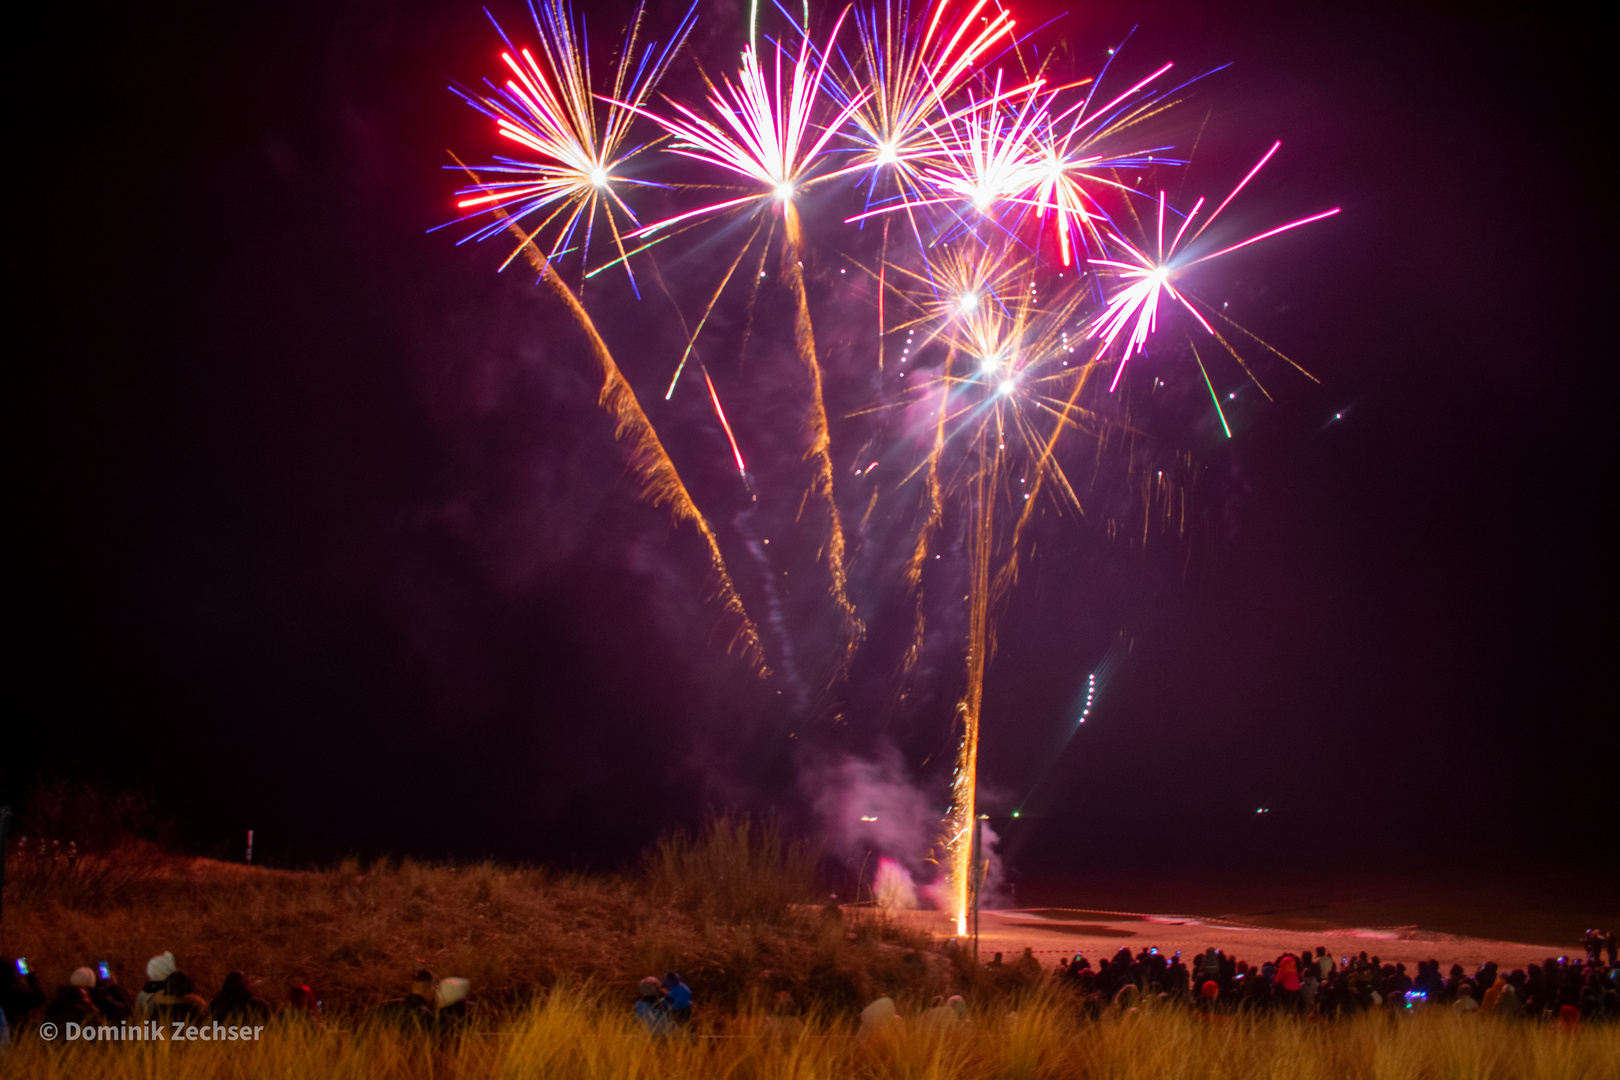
<point x="158" y="969"/>
<point x="455" y="1010"/>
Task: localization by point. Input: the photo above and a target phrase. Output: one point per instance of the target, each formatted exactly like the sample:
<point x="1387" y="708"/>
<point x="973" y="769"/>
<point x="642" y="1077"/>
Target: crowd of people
<point x="1310" y="982"/>
<point x="1313" y="982"/>
<point x="94" y="998"/>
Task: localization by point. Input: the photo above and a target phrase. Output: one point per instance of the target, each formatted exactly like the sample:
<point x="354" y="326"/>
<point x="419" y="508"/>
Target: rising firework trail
<point x="768" y="138"/>
<point x="551" y="109"/>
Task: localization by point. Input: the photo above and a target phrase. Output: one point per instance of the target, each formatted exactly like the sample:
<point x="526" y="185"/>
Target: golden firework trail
<point x="1013" y="393"/>
<point x="650" y="463"/>
<point x="820" y="449"/>
<point x="766" y="135"/>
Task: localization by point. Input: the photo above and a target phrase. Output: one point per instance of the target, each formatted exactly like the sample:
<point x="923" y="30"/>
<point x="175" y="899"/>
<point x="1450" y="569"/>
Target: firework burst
<point x="1147" y="280"/>
<point x="548" y="106"/>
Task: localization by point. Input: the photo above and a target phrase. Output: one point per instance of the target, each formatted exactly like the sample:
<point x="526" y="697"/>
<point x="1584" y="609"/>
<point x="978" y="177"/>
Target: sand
<point x="1054" y="933"/>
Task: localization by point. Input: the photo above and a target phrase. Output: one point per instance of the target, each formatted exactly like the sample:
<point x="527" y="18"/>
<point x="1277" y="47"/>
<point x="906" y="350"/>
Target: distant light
<point x="866" y="818"/>
<point x="784" y="190"/>
<point x="886" y="154"/>
<point x="1017" y="812"/>
<point x="1160" y="275"/>
<point x="1007" y="386"/>
<point x="989" y="364"/>
<point x="599" y="176"/>
<point x="969" y="301"/>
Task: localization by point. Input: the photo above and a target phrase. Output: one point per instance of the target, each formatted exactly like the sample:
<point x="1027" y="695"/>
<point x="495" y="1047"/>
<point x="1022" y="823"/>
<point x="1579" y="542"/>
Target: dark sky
<point x="316" y="529"/>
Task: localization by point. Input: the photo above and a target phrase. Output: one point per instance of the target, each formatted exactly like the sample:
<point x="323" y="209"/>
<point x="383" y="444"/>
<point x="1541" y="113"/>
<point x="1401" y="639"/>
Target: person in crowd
<point x="105" y="993"/>
<point x="20" y="994"/>
<point x="415" y="1009"/>
<point x="1492" y="998"/>
<point x="1597" y="998"/>
<point x="650" y="1010"/>
<point x="158" y="968"/>
<point x="1515" y="995"/>
<point x="1176" y="977"/>
<point x="1287" y="982"/>
<point x="455" y="1007"/>
<point x="1464" y="1000"/>
<point x="784" y="1021"/>
<point x="236" y="1003"/>
<point x="938" y="1014"/>
<point x="1028" y="969"/>
<point x="72" y="1004"/>
<point x="302" y="1006"/>
<point x="880" y="1014"/>
<point x="179" y="1002"/>
<point x="677" y="999"/>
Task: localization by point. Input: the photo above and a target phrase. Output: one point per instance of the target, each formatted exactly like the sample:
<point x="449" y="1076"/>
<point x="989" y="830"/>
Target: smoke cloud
<point x="870" y="811"/>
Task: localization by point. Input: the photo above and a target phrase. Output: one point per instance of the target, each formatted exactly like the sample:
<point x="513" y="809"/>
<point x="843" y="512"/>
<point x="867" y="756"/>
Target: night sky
<point x="316" y="528"/>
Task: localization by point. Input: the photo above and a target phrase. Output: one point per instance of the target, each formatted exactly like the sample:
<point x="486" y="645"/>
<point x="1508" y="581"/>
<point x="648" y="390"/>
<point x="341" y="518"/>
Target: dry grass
<point x="719" y="907"/>
<point x="580" y="1035"/>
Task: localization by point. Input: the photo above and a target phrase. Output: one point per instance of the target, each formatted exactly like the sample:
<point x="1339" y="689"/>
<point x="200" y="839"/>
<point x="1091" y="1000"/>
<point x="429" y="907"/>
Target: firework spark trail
<point x="984" y="302"/>
<point x="659" y="480"/>
<point x="933" y="516"/>
<point x="1007" y="576"/>
<point x="965" y="780"/>
<point x="767" y="138"/>
<point x="820" y="450"/>
<point x="691" y="338"/>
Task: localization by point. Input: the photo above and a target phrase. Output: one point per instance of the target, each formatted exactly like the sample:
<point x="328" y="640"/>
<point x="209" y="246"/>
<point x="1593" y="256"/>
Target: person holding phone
<point x="108" y="995"/>
<point x="19" y="991"/>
